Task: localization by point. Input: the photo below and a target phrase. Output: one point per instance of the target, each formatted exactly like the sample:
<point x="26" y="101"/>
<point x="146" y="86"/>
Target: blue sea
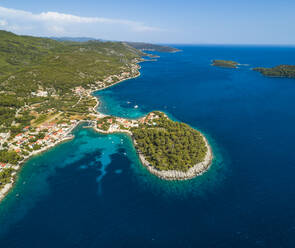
<point x="92" y="191"/>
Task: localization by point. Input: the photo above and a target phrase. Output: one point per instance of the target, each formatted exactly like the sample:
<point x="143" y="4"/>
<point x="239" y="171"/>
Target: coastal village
<point x="111" y="124"/>
<point x="56" y="127"/>
<point x="34" y="140"/>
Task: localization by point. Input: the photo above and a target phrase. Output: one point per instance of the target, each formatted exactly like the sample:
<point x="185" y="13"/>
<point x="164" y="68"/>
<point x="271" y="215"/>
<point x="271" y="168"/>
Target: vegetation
<point x="225" y="63"/>
<point x="169" y="145"/>
<point x="5" y="176"/>
<point x="136" y="45"/>
<point x="104" y="123"/>
<point x="278" y="71"/>
<point x="30" y="64"/>
<point x="9" y="157"/>
<point x="75" y="39"/>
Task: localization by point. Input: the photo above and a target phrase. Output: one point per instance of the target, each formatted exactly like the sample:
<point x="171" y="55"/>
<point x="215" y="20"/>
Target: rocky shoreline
<point x="197" y="170"/>
<point x="172" y="175"/>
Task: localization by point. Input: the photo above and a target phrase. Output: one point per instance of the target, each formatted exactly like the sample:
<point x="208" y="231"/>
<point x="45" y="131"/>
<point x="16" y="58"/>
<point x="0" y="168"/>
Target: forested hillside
<point x="37" y="74"/>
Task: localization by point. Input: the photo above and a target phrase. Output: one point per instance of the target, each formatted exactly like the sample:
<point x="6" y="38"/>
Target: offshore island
<point x="287" y="71"/>
<point x="283" y="71"/>
<point x="225" y="63"/>
<point x="46" y="90"/>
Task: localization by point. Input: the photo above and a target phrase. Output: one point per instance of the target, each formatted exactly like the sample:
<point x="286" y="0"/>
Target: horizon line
<point x="161" y="43"/>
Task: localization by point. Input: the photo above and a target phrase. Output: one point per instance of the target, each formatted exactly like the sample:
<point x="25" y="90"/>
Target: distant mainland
<point x="143" y="46"/>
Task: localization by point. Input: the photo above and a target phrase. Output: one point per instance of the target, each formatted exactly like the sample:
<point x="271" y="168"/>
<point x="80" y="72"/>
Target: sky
<point x="259" y="22"/>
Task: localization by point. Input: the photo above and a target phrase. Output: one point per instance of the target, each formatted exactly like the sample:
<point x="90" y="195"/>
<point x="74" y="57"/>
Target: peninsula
<point x="170" y="150"/>
<point x="46" y="91"/>
<point x="287" y="71"/>
<point x="225" y="63"/>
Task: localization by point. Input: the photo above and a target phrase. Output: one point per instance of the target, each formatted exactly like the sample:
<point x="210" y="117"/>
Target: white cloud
<point x="3" y="23"/>
<point x="55" y="23"/>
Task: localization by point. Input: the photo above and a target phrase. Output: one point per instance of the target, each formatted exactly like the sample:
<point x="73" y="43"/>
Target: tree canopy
<point x="169" y="145"/>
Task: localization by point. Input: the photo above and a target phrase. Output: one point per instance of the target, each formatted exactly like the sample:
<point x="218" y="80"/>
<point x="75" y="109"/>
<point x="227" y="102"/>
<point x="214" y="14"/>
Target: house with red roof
<point x="3" y="165"/>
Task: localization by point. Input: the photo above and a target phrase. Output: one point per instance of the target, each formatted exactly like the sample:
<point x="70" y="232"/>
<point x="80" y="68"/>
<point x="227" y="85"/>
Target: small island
<point x="225" y="63"/>
<point x="169" y="149"/>
<point x="287" y="71"/>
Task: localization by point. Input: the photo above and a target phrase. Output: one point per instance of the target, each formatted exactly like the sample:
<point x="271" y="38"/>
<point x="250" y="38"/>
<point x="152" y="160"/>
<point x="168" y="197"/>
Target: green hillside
<point x="31" y="64"/>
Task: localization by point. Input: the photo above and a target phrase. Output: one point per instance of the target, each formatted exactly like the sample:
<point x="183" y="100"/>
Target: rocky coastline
<point x="174" y="175"/>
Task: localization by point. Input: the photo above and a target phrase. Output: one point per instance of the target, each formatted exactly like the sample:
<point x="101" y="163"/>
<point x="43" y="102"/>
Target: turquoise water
<point x="93" y="192"/>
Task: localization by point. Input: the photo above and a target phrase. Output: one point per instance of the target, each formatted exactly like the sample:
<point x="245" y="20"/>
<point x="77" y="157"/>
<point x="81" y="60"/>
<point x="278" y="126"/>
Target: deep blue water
<point x="93" y="192"/>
